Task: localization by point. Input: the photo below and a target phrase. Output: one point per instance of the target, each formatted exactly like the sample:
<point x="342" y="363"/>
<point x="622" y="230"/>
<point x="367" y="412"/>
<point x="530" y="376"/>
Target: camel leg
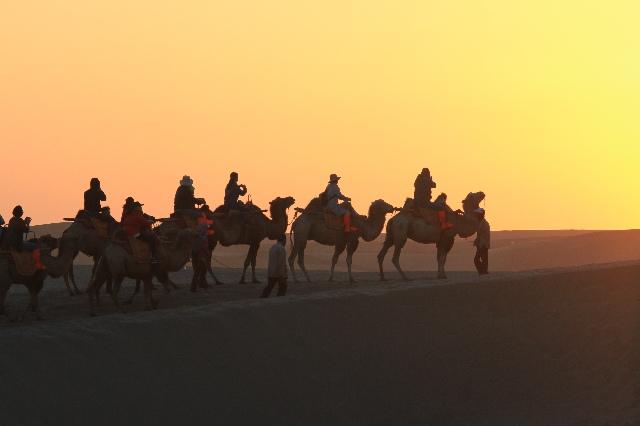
<point x="93" y="288"/>
<point x="383" y="252"/>
<point x="301" y="265"/>
<point x="254" y="259"/>
<point x="351" y="248"/>
<point x="129" y="301"/>
<point x="247" y="262"/>
<point x="337" y="251"/>
<point x="72" y="277"/>
<point x="150" y="302"/>
<point x="66" y="279"/>
<point x="215" y="279"/>
<point x="35" y="306"/>
<point x="292" y="260"/>
<point x="444" y="247"/>
<point x="396" y="261"/>
<point x="114" y="293"/>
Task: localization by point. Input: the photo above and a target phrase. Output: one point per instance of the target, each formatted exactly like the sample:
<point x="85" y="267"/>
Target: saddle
<point x="333" y="221"/>
<point x="430" y="216"/>
<point x="102" y="228"/>
<point x="25" y="263"/>
<point x="140" y="250"/>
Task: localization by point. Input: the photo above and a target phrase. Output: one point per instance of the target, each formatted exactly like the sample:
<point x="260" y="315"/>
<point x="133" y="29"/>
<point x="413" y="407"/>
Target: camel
<point x="116" y="264"/>
<point x="55" y="267"/>
<point x="89" y="243"/>
<point x="311" y="226"/>
<point x="407" y="225"/>
<point x="235" y="230"/>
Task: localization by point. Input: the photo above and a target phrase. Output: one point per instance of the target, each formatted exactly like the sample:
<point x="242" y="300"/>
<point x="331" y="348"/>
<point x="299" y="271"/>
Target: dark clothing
<point x="184" y="199"/>
<point x="282" y="287"/>
<point x="14" y="236"/>
<point x="482" y="260"/>
<point x="92" y="198"/>
<point x="422" y="190"/>
<point x="232" y="192"/>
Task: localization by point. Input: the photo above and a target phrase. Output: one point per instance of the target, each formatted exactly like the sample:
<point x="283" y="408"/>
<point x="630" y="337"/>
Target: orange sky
<point x="537" y="104"/>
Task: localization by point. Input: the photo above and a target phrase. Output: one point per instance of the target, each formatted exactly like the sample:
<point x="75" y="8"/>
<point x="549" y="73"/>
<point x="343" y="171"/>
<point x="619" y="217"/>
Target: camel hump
<point x="24" y="262"/>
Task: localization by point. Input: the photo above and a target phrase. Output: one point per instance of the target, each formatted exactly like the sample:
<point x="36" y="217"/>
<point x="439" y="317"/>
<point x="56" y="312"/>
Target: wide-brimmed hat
<point x="334" y="178"/>
<point x="186" y="181"/>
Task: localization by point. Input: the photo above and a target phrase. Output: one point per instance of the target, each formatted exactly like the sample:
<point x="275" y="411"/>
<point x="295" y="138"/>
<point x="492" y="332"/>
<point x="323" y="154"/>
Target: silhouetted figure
<point x="185" y="200"/>
<point x="482" y="244"/>
<point x="333" y="195"/>
<point x="277" y="270"/>
<point x="422" y="189"/>
<point x="92" y="198"/>
<point x="2" y="229"/>
<point x="205" y="228"/>
<point x="233" y="192"/>
<point x="138" y="225"/>
<point x="14" y="237"/>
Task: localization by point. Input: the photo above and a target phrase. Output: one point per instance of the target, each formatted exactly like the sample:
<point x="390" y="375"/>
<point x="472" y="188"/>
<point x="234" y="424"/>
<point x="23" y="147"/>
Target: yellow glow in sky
<point x="535" y="103"/>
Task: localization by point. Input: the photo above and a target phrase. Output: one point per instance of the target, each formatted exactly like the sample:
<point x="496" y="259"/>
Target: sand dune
<point x="546" y="347"/>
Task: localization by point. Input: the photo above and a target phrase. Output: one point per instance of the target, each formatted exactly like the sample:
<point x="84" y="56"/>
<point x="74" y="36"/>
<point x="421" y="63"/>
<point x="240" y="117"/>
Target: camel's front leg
<point x="444" y="247"/>
<point x="292" y="260"/>
<point x="350" y="250"/>
<point x="247" y="262"/>
<point x="254" y="259"/>
<point x="337" y="251"/>
<point x="383" y="252"/>
<point x="301" y="265"/>
<point x="149" y="302"/>
<point x="135" y="293"/>
<point x="114" y="293"/>
<point x="72" y="277"/>
<point x="396" y="261"/>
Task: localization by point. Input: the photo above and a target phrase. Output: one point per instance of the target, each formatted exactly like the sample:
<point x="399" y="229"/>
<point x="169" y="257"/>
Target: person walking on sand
<point x="277" y="270"/>
<point x="482" y="244"/>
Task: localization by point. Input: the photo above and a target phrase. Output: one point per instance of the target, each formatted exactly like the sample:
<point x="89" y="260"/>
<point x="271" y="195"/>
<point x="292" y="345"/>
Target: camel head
<point x="280" y="205"/>
<point x="472" y="202"/>
<point x="380" y="208"/>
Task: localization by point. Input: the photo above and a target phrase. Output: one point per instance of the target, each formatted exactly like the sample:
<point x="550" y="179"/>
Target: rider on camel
<point x="333" y="195"/>
<point x="233" y="192"/>
<point x="422" y="189"/>
<point x="137" y="224"/>
<point x="185" y="200"/>
<point x="14" y="237"/>
<point x="92" y="207"/>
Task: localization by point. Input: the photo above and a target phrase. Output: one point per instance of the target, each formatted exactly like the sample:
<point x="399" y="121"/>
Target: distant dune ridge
<point x="511" y="251"/>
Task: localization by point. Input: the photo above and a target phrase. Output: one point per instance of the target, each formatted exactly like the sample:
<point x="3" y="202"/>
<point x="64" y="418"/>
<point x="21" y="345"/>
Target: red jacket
<point x="134" y="222"/>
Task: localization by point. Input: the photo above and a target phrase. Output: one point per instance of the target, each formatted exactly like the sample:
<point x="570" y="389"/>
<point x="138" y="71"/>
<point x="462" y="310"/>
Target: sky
<point x="533" y="102"/>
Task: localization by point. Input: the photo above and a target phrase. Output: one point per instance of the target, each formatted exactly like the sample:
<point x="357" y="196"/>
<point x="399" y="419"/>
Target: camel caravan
<point x="144" y="248"/>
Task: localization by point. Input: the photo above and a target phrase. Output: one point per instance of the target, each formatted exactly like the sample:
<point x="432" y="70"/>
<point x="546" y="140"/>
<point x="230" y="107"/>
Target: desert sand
<point x="546" y="346"/>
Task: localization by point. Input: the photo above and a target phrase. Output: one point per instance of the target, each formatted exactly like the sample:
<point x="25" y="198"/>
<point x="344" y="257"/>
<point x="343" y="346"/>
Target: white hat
<point x="186" y="181"/>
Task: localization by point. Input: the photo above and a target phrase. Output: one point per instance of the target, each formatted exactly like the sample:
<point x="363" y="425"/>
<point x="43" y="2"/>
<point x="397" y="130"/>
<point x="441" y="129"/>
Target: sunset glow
<point x="535" y="105"/>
